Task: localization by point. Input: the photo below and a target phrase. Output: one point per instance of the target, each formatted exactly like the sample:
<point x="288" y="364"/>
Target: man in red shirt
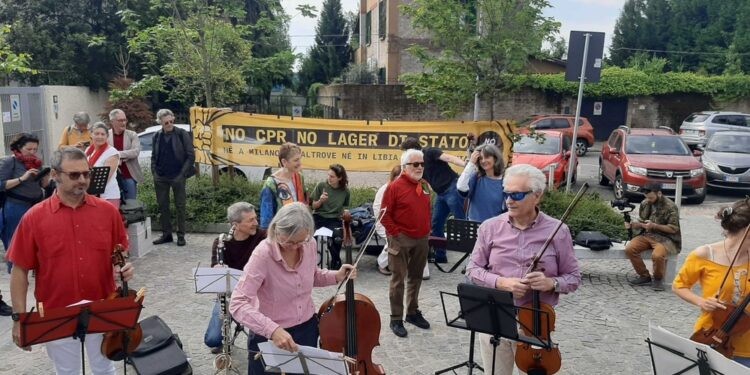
<point x="407" y="224"/>
<point x="68" y="241"/>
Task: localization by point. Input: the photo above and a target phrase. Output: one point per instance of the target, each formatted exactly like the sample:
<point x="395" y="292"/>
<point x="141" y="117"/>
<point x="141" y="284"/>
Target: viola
<point x="117" y="345"/>
<point x="538" y="319"/>
<point x="350" y="321"/>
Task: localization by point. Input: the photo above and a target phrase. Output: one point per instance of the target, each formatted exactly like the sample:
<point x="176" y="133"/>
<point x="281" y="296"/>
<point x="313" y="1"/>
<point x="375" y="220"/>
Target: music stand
<point x="78" y="320"/>
<point x="98" y="181"/>
<point x="460" y="235"/>
<point x="307" y="360"/>
<point x="672" y="354"/>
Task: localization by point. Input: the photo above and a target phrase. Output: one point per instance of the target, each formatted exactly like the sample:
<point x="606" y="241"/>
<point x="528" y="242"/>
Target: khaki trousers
<point x="640" y="244"/>
<point x="505" y="356"/>
<point x="407" y="258"/>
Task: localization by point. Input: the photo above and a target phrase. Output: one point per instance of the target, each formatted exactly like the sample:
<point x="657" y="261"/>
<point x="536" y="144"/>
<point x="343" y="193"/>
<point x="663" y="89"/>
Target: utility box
<point x="139" y="236"/>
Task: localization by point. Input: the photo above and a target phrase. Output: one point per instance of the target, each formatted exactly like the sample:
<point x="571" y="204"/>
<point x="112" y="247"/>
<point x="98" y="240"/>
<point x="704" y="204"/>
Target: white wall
<point x="70" y="99"/>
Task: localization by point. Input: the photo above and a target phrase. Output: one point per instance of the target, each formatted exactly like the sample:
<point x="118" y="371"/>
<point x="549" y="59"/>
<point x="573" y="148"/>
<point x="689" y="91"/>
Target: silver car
<point x="727" y="160"/>
<point x="698" y="127"/>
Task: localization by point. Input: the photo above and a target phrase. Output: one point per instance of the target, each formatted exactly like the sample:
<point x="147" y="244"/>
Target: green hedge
<point x="591" y="213"/>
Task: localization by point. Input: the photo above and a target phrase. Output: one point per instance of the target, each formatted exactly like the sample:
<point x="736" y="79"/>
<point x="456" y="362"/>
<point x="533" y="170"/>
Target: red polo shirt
<point x="70" y="249"/>
<point x="407" y="205"/>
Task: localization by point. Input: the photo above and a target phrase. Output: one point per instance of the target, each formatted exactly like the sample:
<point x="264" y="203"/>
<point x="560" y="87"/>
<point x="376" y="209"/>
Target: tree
<point x="627" y="32"/>
<point x="462" y="61"/>
<point x="11" y="62"/>
<point x="331" y="52"/>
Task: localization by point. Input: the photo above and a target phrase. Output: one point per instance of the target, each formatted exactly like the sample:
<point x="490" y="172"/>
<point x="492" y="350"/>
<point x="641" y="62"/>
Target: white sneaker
<point x="426" y="272"/>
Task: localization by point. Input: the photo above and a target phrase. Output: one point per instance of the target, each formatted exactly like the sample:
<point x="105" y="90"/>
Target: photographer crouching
<point x="659" y="222"/>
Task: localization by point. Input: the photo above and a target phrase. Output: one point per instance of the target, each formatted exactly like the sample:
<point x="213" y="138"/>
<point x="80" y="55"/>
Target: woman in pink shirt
<point x="274" y="295"/>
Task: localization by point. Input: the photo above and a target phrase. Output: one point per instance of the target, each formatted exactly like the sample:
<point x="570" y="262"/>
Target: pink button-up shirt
<point x="502" y="250"/>
<point x="272" y="294"/>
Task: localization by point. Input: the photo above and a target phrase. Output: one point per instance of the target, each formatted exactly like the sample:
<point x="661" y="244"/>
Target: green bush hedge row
<point x="207" y="204"/>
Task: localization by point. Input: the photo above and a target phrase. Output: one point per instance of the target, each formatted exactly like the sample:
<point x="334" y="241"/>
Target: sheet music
<point x="323" y="232"/>
<point x="670" y="363"/>
<point x="213" y="280"/>
<point x="319" y="361"/>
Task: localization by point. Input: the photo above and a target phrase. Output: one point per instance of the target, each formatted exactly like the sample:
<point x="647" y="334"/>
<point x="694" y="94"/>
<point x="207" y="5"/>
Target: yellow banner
<point x="235" y="138"/>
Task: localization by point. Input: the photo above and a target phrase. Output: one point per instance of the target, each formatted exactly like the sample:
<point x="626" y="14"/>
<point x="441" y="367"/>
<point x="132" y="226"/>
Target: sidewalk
<point x="601" y="328"/>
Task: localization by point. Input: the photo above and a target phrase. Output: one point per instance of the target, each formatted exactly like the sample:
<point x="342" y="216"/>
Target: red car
<point x="552" y="153"/>
<point x="564" y="123"/>
<point x="631" y="158"/>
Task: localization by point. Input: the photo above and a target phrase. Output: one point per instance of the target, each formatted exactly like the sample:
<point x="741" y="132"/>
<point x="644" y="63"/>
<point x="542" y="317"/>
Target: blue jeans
<point x="304" y="334"/>
<point x="446" y="203"/>
<point x="130" y="188"/>
<point x="10" y="217"/>
<point x="213" y="335"/>
<point x="745" y="361"/>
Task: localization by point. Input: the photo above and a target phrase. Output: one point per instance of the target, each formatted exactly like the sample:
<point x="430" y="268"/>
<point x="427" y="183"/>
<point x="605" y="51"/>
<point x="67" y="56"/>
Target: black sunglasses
<point x="416" y="164"/>
<point x="77" y="175"/>
<point x="517" y="196"/>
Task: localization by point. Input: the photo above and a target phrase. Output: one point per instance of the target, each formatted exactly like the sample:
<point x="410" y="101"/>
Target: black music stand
<point x="77" y="321"/>
<point x="493" y="312"/>
<point x="98" y="182"/>
<point x="460" y="235"/>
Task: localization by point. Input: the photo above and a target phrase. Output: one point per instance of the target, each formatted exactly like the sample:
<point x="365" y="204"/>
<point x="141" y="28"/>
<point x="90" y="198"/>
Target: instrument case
<point x="160" y="351"/>
<point x="593" y="240"/>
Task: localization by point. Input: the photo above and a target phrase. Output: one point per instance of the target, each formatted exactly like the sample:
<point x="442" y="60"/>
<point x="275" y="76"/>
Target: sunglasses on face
<point x="416" y="164"/>
<point x="77" y="175"/>
<point x="516" y="196"/>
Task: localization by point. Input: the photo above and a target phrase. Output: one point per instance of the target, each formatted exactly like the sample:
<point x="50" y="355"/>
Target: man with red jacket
<point x="407" y="224"/>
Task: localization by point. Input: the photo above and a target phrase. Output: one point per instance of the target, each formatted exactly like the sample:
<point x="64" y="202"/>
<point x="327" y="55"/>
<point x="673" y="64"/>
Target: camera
<point x="622" y="204"/>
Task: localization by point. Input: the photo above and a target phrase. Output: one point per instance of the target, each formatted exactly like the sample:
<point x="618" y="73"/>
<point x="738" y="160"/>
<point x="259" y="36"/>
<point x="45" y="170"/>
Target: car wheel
<point x="619" y="187"/>
<point x="581" y="147"/>
<point x="697" y="200"/>
<point x="603" y="180"/>
<point x="237" y="173"/>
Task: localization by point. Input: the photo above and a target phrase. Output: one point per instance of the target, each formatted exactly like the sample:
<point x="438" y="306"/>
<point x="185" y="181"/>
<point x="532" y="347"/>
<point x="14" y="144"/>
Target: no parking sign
<point x="15" y="108"/>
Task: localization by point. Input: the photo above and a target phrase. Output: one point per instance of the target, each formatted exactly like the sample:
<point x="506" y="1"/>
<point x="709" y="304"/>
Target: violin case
<point x="160" y="351"/>
<point x="595" y="241"/>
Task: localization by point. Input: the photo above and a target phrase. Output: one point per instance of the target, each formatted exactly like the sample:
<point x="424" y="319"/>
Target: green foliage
<point x="330" y="54"/>
<point x="628" y="82"/>
<point x="11" y="62"/>
<point x="473" y="61"/>
<point x="359" y="74"/>
<point x="591" y="213"/>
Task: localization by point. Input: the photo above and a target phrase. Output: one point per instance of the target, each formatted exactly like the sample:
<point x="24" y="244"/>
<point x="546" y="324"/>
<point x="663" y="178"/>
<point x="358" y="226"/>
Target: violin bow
<point x="742" y="242"/>
<point x="564" y="217"/>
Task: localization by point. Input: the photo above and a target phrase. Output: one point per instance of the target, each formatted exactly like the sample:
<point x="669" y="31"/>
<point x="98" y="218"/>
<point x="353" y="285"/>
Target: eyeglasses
<point x="293" y="244"/>
<point x="516" y="196"/>
<point x="416" y="164"/>
<point x="77" y="175"/>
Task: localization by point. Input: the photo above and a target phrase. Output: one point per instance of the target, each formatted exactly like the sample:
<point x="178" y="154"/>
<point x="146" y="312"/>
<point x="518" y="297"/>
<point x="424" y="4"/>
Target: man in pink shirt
<point x="274" y="295"/>
<point x="505" y="246"/>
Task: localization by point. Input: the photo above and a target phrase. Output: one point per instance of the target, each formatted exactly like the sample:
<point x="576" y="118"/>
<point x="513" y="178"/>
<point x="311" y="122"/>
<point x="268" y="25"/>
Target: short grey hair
<point x="236" y="211"/>
<point x="99" y="125"/>
<point x="290" y="220"/>
<point x="162" y="113"/>
<point x="81" y="118"/>
<point x="406" y="156"/>
<point x="537" y="181"/>
<point x="65" y="153"/>
<point x="113" y="113"/>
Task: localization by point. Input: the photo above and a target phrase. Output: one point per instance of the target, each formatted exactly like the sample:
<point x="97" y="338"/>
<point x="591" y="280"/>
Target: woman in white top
<point x="101" y="154"/>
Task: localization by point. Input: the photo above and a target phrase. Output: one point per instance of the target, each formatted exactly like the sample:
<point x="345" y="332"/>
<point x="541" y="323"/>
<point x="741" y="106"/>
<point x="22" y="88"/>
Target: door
<point x="605" y="115"/>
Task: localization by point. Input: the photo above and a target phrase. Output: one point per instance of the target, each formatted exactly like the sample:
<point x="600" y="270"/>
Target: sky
<point x="580" y="15"/>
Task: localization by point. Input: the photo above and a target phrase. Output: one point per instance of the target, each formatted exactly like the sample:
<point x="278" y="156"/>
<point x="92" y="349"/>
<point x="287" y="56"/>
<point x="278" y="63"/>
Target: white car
<point x="144" y="158"/>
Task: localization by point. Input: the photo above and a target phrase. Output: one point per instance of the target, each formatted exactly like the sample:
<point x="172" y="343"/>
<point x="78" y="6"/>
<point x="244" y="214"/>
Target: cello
<point x="537" y="319"/>
<point x="350" y="321"/>
<point x="726" y="323"/>
<point x="116" y="345"/>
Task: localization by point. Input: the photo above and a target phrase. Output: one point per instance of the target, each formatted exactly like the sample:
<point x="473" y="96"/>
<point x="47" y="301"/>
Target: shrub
<point x="591" y="213"/>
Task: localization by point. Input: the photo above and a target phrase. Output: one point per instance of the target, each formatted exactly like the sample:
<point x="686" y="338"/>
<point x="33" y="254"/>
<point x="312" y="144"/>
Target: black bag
<point x="133" y="211"/>
<point x="160" y="351"/>
<point x="593" y="240"/>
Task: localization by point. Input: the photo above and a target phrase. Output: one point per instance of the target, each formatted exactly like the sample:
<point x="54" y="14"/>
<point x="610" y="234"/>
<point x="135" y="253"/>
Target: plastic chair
<point x="460" y="235"/>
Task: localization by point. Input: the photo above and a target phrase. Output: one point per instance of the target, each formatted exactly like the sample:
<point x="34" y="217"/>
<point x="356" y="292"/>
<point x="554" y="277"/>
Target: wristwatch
<point x="15" y="316"/>
<point x="557" y="285"/>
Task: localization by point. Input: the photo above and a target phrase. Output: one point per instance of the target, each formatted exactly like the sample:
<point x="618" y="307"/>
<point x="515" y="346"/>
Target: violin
<point x="117" y="345"/>
<point x="537" y="319"/>
<point x="350" y="321"/>
<point x="726" y="323"/>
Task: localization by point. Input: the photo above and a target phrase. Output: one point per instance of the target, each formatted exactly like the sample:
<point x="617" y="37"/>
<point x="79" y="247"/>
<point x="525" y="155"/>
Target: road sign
<point x="15" y="108"/>
<point x="593" y="58"/>
<point x="297" y="111"/>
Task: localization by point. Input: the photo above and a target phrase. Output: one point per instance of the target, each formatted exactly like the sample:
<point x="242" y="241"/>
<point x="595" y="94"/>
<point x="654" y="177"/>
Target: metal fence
<point x="285" y="105"/>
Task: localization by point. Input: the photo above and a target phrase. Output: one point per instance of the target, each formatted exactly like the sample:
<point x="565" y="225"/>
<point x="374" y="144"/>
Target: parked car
<point x="631" y="158"/>
<point x="564" y="123"/>
<point x="698" y="127"/>
<point x="144" y="158"/>
<point x="552" y="153"/>
<point x="726" y="159"/>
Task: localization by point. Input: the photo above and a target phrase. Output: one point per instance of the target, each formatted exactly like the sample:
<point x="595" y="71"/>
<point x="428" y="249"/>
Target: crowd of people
<point x="278" y="256"/>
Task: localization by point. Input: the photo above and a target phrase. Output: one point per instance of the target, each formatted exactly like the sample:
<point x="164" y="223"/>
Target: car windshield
<point x="658" y="145"/>
<point x="146" y="140"/>
<point x="729" y="143"/>
<point x="527" y="145"/>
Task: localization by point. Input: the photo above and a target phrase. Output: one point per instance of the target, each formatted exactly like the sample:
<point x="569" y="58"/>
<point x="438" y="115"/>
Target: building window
<point x="382" y="19"/>
<point x="381" y="76"/>
<point x="368" y="28"/>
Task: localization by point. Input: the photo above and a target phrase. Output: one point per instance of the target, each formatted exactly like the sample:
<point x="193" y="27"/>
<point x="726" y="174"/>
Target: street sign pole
<point x="581" y="82"/>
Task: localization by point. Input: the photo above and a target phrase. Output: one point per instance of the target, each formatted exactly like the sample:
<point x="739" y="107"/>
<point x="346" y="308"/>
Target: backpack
<point x="595" y="241"/>
<point x="133" y="211"/>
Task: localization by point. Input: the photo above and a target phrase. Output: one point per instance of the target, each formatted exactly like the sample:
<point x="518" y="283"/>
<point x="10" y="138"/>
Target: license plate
<point x="688" y="131"/>
<point x="731" y="179"/>
<point x="668" y="186"/>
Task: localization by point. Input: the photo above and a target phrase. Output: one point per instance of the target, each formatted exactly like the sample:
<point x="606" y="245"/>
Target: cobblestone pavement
<point x="601" y="328"/>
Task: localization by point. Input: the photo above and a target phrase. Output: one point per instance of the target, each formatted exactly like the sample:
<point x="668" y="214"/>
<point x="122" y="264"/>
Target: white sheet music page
<point x="319" y="361"/>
